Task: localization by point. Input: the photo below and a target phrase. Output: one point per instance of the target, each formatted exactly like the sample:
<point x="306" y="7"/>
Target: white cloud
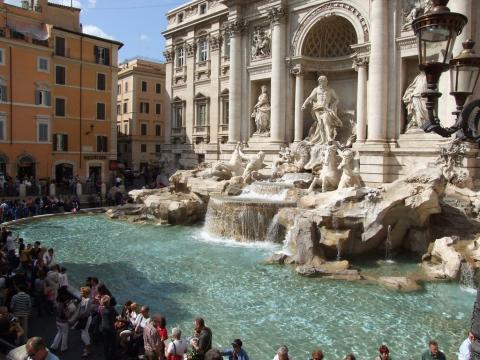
<point x="96" y="31"/>
<point x="144" y="37"/>
<point x="92" y="3"/>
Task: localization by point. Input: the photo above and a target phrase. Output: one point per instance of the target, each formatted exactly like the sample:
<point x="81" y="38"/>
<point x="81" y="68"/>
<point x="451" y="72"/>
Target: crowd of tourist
<point x="32" y="280"/>
<point x="18" y="209"/>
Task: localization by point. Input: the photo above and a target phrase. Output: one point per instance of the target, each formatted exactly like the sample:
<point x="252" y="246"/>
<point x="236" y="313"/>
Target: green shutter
<point x="37" y="97"/>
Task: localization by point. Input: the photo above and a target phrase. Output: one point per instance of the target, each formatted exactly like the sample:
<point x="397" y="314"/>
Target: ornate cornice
<point x="190" y="49"/>
<point x="297" y="70"/>
<point x="360" y="62"/>
<point x="406" y="43"/>
<point x="277" y="14"/>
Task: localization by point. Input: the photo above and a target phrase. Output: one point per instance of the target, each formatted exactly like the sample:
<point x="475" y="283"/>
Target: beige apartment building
<point x="140" y="113"/>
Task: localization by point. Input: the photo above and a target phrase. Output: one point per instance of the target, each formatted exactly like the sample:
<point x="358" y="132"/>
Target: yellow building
<point x="57" y="102"/>
<point x="140" y="113"/>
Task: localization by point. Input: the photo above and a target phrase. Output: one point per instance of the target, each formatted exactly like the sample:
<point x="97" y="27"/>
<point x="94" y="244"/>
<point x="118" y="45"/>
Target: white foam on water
<point x="206" y="237"/>
<point x="468" y="289"/>
<point x="251" y="194"/>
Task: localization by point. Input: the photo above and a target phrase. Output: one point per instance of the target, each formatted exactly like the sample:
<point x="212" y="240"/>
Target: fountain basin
<point x="241" y="218"/>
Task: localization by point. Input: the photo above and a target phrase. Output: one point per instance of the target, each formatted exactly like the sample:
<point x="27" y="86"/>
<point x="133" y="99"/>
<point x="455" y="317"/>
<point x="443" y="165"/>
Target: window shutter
<point x="65" y="142"/>
<point x="49" y="98"/>
<point x="55" y="141"/>
<point x="4" y="92"/>
<point x="37" y="97"/>
<point x="107" y="56"/>
<point x="147" y="108"/>
<point x="96" y="53"/>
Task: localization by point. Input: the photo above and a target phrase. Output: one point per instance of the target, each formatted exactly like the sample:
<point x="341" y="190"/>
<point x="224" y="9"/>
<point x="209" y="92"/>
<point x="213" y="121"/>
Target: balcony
<point x="201" y="134"/>
<point x="178" y="135"/>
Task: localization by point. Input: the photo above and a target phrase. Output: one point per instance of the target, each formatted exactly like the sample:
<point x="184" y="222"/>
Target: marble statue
<point x="324" y="102"/>
<point x="328" y="177"/>
<point x="261" y="113"/>
<point x="418" y="8"/>
<point x="260" y="44"/>
<point x="416" y="107"/>
<point x="254" y="165"/>
<point x="349" y="177"/>
<point x="285" y="156"/>
<point x="234" y="167"/>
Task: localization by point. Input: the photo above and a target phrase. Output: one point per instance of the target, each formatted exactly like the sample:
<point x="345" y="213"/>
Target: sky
<point x="138" y="24"/>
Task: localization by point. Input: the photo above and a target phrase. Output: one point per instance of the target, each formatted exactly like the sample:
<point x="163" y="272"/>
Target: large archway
<point x="26" y="166"/>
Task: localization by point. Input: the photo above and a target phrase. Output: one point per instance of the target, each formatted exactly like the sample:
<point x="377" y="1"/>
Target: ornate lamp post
<point x="436" y="32"/>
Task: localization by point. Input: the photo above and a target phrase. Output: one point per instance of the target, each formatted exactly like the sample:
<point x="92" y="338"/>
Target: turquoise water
<point x="181" y="273"/>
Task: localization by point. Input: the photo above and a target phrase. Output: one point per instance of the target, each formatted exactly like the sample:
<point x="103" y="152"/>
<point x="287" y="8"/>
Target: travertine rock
<point x="445" y="261"/>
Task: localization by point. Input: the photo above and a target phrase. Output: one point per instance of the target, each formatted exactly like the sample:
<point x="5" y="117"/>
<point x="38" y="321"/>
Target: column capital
<point x="360" y="62"/>
<point x="277" y="14"/>
<point x="190" y="49"/>
<point x="215" y="42"/>
<point x="168" y="54"/>
<point x="236" y="27"/>
<point x="297" y="70"/>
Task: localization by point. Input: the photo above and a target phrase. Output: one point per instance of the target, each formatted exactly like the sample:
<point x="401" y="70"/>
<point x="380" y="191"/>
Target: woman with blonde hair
<point x="83" y="319"/>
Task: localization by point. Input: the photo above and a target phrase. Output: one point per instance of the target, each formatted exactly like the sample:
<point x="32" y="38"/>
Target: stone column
<point x="361" y="68"/>
<point x="169" y="69"/>
<point x="378" y="70"/>
<point x="190" y="51"/>
<point x="298" y="73"/>
<point x="214" y="107"/>
<point x="235" y="29"/>
<point x="279" y="69"/>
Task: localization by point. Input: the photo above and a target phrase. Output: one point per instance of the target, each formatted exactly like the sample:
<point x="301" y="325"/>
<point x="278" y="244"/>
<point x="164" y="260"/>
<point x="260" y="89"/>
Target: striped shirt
<point x="20" y="304"/>
<point x="151" y="338"/>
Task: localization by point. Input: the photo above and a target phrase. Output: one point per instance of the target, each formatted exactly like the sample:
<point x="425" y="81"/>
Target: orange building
<point x="57" y="95"/>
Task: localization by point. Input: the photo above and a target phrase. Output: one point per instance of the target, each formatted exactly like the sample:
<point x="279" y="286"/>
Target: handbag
<point x="174" y="356"/>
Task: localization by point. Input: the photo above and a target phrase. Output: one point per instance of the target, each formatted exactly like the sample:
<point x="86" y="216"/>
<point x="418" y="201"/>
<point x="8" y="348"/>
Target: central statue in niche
<point x="324" y="102"/>
<point x="261" y="113"/>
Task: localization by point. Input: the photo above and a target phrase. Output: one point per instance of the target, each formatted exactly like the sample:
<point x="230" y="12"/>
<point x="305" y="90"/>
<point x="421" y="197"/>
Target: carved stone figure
<point x="416" y="107"/>
<point x="260" y="44"/>
<point x="255" y="164"/>
<point x="328" y="177"/>
<point x="324" y="102"/>
<point x="416" y="9"/>
<point x="349" y="177"/>
<point x="284" y="157"/>
<point x="234" y="167"/>
<point x="261" y="113"/>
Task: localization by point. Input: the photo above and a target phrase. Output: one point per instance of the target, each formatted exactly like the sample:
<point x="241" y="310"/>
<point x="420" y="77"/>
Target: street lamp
<point x="436" y="32"/>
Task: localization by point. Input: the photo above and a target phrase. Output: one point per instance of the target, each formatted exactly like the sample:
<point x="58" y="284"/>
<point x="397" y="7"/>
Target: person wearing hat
<point x="236" y="352"/>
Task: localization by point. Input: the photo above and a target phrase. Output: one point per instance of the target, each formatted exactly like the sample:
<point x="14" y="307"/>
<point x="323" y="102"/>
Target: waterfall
<point x="335" y="227"/>
<point x="388" y="245"/>
<point x="274" y="230"/>
<point x="264" y="190"/>
<point x="244" y="219"/>
<point x="467" y="277"/>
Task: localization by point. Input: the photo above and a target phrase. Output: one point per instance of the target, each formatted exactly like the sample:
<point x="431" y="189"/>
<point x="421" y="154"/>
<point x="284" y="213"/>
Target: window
<point x="143" y="129"/>
<point x="43" y="98"/>
<point x="201" y="119"/>
<point x="144" y="107"/>
<point x="180" y="18"/>
<point x="2" y="57"/>
<point x="100" y="111"/>
<point x="178" y="115"/>
<point x="202" y="9"/>
<point x="119" y="89"/>
<point x="101" y="81"/>
<point x="158" y="130"/>
<point x="42" y="132"/>
<point x="144" y="86"/>
<point x="59" y="107"/>
<point x="158" y="109"/>
<point x="226" y="50"/>
<point x="59" y="46"/>
<point x="203" y="50"/>
<point x="3" y="93"/>
<point x="60" y="77"/>
<point x="125" y="129"/>
<point x="3" y="121"/>
<point x="225" y="112"/>
<point x="119" y="109"/>
<point x="43" y="64"/>
<point x="102" y="55"/>
<point x="60" y="142"/>
<point x="158" y="88"/>
<point x="157" y="148"/>
<point x="143" y="148"/>
<point x="126" y="86"/>
<point x="102" y="143"/>
<point x="125" y="107"/>
<point x="179" y="57"/>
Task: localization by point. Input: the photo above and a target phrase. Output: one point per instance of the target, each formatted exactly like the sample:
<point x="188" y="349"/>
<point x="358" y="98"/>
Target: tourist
<point x="108" y="315"/>
<point x="237" y="352"/>
<point x="161" y="327"/>
<point x="349" y="357"/>
<point x="384" y="353"/>
<point x="317" y="355"/>
<point x="10" y="329"/>
<point x="203" y="341"/>
<point x="20" y="305"/>
<point x="151" y="339"/>
<point x="465" y="348"/>
<point x="48" y="258"/>
<point x="62" y="277"/>
<point x="282" y="353"/>
<point x="83" y="319"/>
<point x="213" y="354"/>
<point x="36" y="350"/>
<point x="64" y="310"/>
<point x="177" y="347"/>
<point x="433" y="352"/>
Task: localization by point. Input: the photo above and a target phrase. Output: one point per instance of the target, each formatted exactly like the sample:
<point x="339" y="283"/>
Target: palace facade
<point x="221" y="53"/>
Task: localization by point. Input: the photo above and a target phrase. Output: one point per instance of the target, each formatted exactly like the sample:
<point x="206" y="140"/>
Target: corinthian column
<point x="378" y="70"/>
<point x="279" y="71"/>
<point x="235" y="30"/>
<point x="298" y="73"/>
<point x="361" y="68"/>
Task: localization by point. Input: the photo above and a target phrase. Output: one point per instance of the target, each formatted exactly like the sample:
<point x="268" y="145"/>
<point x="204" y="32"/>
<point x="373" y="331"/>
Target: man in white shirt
<point x="48" y="258"/>
<point x="464" y="351"/>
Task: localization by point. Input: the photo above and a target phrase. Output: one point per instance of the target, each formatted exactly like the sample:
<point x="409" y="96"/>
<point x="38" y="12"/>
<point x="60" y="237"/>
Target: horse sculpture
<point x="329" y="176"/>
